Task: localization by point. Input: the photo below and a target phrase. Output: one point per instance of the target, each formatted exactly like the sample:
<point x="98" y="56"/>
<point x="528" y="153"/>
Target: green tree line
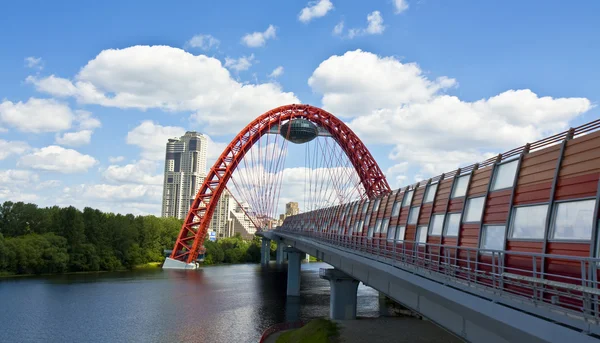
<point x="234" y="250"/>
<point x="36" y="240"/>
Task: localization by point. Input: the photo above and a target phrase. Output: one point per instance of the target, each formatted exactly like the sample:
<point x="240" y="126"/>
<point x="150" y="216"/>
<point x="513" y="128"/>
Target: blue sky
<point x="519" y="70"/>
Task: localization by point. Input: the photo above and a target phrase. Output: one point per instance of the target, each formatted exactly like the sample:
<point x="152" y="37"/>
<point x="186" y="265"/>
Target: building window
<point x="422" y="234"/>
<point x="413" y="215"/>
<point x="504" y="175"/>
<point x="367" y="220"/>
<point x="529" y="222"/>
<point x="437" y="225"/>
<point x="384" y="226"/>
<point x="400" y="231"/>
<point x="370" y="232"/>
<point x="365" y="207"/>
<point x="573" y="220"/>
<point x="378" y="226"/>
<point x="396" y="209"/>
<point x="430" y="193"/>
<point x="492" y="237"/>
<point x="360" y="226"/>
<point x="170" y="179"/>
<point x="376" y="205"/>
<point x="391" y="234"/>
<point x="474" y="210"/>
<point x="407" y="198"/>
<point x="355" y="209"/>
<point x="460" y="186"/>
<point x="452" y="225"/>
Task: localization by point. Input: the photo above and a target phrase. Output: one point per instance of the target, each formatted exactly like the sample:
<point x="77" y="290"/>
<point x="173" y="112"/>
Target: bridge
<point x="505" y="250"/>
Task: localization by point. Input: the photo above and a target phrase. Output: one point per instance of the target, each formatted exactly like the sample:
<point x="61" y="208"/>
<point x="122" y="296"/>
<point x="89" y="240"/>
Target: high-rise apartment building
<point x="185" y="170"/>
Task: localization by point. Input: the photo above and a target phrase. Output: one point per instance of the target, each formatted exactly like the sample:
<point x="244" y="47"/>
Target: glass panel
<point x="529" y="222"/>
<point x="407" y="199"/>
<point x="460" y="187"/>
<point x="376" y="206"/>
<point x="413" y="216"/>
<point x="504" y="175"/>
<point x="384" y="226"/>
<point x="493" y="237"/>
<point x="437" y="223"/>
<point x="367" y="220"/>
<point x="378" y="226"/>
<point x="370" y="232"/>
<point x="452" y="225"/>
<point x="422" y="234"/>
<point x="396" y="209"/>
<point x="355" y="210"/>
<point x="574" y="220"/>
<point x="400" y="231"/>
<point x="391" y="233"/>
<point x="361" y="226"/>
<point x="474" y="210"/>
<point x="430" y="192"/>
<point x="365" y="206"/>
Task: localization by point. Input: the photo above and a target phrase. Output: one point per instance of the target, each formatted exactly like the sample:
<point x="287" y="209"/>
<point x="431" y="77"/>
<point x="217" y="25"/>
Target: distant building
<point x="291" y="209"/>
<point x="185" y="170"/>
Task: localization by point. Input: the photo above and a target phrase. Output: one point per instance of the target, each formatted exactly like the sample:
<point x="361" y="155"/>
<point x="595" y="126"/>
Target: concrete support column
<point x="280" y="252"/>
<point x="265" y="251"/>
<point x="342" y="305"/>
<point x="293" y="280"/>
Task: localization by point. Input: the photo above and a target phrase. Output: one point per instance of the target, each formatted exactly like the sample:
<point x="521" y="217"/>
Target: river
<point x="233" y="303"/>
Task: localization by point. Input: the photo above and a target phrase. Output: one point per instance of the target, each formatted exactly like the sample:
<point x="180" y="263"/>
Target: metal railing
<point x="567" y="285"/>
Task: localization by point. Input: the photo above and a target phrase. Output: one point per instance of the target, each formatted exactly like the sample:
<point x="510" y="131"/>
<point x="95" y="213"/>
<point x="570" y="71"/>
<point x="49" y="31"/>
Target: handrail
<point x="575" y="293"/>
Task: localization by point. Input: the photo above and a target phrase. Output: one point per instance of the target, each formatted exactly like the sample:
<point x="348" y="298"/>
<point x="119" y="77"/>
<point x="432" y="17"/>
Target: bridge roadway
<point x="473" y="311"/>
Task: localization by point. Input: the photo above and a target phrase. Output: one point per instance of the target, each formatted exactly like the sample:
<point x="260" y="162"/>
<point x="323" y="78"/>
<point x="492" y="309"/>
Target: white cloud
<point x="394" y="103"/>
<point x="116" y="159"/>
<point x="239" y="64"/>
<point x="140" y="172"/>
<point x="400" y="6"/>
<point x="18" y="177"/>
<point x="258" y="39"/>
<point x="213" y="151"/>
<point x="170" y="79"/>
<point x="86" y="121"/>
<point x="58" y="159"/>
<point x="339" y="28"/>
<point x="13" y="195"/>
<point x="374" y="26"/>
<point x="74" y="139"/>
<point x="34" y="62"/>
<point x="105" y="192"/>
<point x="315" y="9"/>
<point x="152" y="138"/>
<point x="8" y="148"/>
<point x="277" y="72"/>
<point x="37" y="115"/>
<point x="360" y="82"/>
<point x="204" y="42"/>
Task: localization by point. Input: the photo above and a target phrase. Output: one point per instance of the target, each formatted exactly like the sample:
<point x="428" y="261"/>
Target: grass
<point x="316" y="331"/>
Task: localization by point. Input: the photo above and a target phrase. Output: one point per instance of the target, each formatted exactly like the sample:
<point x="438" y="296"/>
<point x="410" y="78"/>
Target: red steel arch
<point x="193" y="232"/>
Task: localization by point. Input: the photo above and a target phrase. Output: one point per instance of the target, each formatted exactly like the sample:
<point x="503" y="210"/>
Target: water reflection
<point x="215" y="304"/>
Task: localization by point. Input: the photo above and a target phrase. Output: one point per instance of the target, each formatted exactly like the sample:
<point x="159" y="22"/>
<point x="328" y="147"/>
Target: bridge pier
<point x="280" y="258"/>
<point x="265" y="251"/>
<point x="293" y="280"/>
<point x="342" y="305"/>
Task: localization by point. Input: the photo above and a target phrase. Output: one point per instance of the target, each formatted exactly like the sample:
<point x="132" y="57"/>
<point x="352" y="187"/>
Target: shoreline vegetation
<point x="55" y="240"/>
